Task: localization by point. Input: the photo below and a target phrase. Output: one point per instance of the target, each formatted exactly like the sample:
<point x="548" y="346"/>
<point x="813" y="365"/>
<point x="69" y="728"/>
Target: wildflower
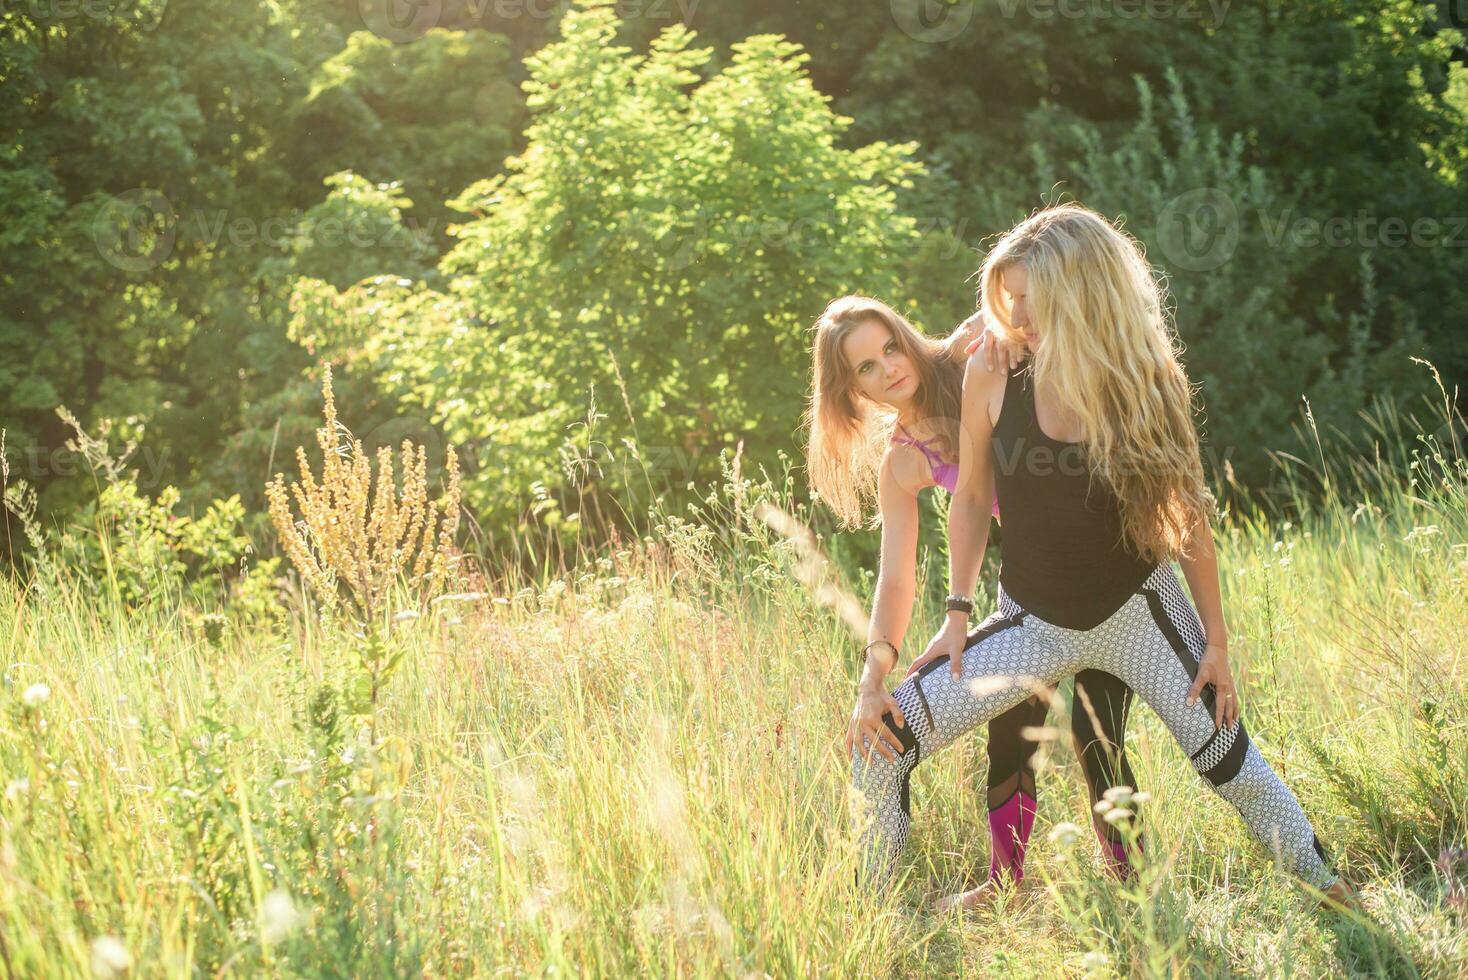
<point x="1118" y="795"/>
<point x="405" y="616"/>
<point x="1421" y="532"/>
<point x="110" y="957"/>
<point x="357" y="533"/>
<point x="1142" y="796"/>
<point x="1102" y="806"/>
<point x="35" y="696"/>
<point x="278" y="916"/>
<point x="1117" y="815"/>
<point x="1065" y="834"/>
<point x="17" y="788"/>
<point x="1095" y="961"/>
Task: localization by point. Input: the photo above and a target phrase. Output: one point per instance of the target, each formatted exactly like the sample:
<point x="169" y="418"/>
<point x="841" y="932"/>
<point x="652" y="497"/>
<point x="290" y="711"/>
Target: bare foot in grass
<point x="981" y="897"/>
<point x="1341" y="897"/>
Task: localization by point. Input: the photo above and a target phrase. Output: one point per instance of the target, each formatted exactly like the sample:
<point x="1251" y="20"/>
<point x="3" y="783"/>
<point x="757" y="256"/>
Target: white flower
<point x="1095" y="961"/>
<point x="110" y="957"/>
<point x="17" y="788"/>
<point x="1118" y="815"/>
<point x="1141" y="797"/>
<point x="278" y="916"/>
<point x="1421" y="532"/>
<point x="1102" y="806"/>
<point x="1065" y="834"/>
<point x="405" y="616"/>
<point x="35" y="696"/>
<point x="1119" y="795"/>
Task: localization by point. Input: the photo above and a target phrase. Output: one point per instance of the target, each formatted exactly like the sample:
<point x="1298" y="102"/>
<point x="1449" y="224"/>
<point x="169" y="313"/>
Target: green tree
<point x="658" y="251"/>
<point x="1349" y="107"/>
<point x="1184" y="189"/>
<point x="156" y="194"/>
<point x="435" y="115"/>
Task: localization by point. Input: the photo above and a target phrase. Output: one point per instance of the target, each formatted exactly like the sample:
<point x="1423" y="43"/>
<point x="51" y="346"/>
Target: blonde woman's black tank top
<point x="1062" y="558"/>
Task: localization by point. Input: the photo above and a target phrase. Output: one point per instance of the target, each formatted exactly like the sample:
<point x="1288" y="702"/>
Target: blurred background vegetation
<point x="586" y="247"/>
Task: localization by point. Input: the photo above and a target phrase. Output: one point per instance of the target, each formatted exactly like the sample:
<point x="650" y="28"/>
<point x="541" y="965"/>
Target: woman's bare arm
<point x="973" y="500"/>
<point x="1200" y="568"/>
<point x="969" y="514"/>
<point x="897" y="574"/>
<point x="891" y="612"/>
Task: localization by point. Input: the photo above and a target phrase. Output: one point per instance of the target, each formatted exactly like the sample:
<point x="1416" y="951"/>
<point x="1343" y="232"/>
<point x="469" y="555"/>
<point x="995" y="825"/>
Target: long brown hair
<point x="848" y="432"/>
<point x="1109" y="348"/>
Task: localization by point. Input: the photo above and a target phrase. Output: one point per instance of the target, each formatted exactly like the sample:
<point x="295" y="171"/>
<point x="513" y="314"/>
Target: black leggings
<point x="1098" y="729"/>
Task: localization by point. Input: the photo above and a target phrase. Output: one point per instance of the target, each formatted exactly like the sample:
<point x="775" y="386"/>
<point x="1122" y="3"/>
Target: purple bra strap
<point x="932" y="454"/>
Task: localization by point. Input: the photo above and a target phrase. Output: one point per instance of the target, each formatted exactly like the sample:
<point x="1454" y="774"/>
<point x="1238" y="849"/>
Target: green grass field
<point x="633" y="767"/>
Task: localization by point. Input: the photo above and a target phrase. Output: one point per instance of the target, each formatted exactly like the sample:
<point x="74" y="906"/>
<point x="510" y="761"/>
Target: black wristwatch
<point x="961" y="603"/>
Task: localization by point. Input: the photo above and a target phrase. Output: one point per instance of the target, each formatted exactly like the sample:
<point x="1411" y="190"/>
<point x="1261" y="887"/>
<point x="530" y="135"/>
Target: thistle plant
<point x="360" y="540"/>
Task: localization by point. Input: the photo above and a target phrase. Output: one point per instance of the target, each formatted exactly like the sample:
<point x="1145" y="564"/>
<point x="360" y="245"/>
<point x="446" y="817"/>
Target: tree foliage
<point x="655" y="257"/>
<point x="201" y="201"/>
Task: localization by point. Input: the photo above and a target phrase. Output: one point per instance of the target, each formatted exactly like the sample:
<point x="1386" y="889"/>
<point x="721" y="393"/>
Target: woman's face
<point x="880" y="369"/>
<point x="1016" y="281"/>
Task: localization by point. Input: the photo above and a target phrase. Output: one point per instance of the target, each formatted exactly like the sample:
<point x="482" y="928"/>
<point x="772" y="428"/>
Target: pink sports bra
<point x="945" y="474"/>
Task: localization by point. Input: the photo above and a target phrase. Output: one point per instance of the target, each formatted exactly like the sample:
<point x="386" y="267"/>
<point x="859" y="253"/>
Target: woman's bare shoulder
<point x="981" y="386"/>
<point x="905" y="470"/>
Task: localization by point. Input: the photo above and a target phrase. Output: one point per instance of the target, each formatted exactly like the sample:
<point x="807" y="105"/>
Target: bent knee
<point x="1221" y="759"/>
<point x="872" y="760"/>
<point x="873" y="766"/>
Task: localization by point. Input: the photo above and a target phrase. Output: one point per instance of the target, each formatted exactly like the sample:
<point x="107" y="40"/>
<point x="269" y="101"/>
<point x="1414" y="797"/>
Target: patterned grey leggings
<point x="1153" y="643"/>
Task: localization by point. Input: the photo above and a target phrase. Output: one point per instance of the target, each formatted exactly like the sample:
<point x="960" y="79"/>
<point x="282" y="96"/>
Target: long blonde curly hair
<point x="848" y="432"/>
<point x="1109" y="348"/>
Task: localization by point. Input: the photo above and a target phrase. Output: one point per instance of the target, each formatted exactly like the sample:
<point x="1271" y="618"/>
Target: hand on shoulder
<point x="980" y="374"/>
<point x="995" y="350"/>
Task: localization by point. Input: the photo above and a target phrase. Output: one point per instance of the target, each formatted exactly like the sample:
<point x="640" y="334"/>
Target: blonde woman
<point x="1093" y="453"/>
<point x="883" y="423"/>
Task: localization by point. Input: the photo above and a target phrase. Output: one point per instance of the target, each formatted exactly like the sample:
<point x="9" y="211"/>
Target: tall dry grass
<point x="632" y="766"/>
